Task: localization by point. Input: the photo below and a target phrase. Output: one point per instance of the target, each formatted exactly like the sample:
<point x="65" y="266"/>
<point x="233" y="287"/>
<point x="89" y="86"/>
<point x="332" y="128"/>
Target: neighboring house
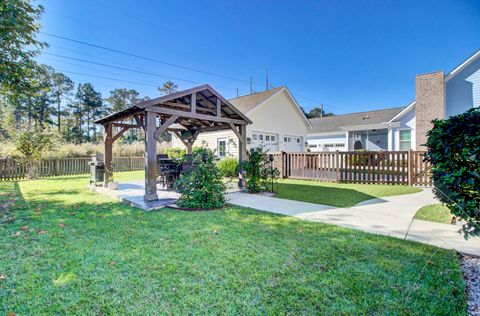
<point x="278" y="124"/>
<point x="436" y="96"/>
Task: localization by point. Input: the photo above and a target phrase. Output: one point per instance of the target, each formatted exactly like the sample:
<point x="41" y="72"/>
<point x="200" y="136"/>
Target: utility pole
<point x="321" y="110"/>
<point x="251" y="91"/>
<point x="237" y="92"/>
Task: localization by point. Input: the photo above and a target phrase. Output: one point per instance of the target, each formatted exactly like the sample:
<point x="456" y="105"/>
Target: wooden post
<point x="282" y="165"/>
<point x="410" y="166"/>
<point x="242" y="155"/>
<point x="337" y="165"/>
<point x="108" y="155"/>
<point x="150" y="157"/>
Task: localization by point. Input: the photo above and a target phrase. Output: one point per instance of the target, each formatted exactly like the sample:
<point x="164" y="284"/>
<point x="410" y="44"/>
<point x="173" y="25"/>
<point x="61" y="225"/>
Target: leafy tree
<point x="32" y="144"/>
<point x="62" y="86"/>
<point x="18" y="29"/>
<point x="168" y="87"/>
<point x="121" y="99"/>
<point x="89" y="107"/>
<point x="317" y="112"/>
<point x="454" y="151"/>
<point x="201" y="188"/>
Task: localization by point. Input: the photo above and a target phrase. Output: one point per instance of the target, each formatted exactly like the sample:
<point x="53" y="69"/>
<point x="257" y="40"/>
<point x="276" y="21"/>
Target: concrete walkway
<point x="392" y="216"/>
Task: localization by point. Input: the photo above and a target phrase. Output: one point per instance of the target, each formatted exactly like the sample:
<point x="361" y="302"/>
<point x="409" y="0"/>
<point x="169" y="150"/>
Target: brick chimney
<point x="429" y="104"/>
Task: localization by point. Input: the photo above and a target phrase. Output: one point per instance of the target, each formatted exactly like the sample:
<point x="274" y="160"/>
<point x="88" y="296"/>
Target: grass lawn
<point x="336" y="194"/>
<point x="435" y="213"/>
<point x="71" y="251"/>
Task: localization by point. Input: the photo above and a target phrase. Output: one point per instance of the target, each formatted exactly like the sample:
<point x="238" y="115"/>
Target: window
<point x="298" y="140"/>
<point x="272" y="138"/>
<point x="254" y="136"/>
<point x="312" y="146"/>
<point x="267" y="138"/>
<point x="333" y="145"/>
<point x="405" y="140"/>
<point x="221" y="147"/>
<point x="260" y="137"/>
<point x="284" y="139"/>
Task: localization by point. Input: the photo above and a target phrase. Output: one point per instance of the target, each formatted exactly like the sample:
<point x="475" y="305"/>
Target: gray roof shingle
<point x="334" y="123"/>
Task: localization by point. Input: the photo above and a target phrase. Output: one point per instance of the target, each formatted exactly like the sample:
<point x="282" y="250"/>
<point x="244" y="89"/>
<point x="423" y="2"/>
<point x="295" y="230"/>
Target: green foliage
<point x="454" y="151"/>
<point x="202" y="188"/>
<point x="18" y="29"/>
<point x="228" y="167"/>
<point x="32" y="145"/>
<point x="176" y="152"/>
<point x="259" y="170"/>
<point x="168" y="87"/>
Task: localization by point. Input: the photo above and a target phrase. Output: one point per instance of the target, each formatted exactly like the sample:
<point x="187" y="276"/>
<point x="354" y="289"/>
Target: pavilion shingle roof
<point x="248" y="102"/>
<point x="334" y="123"/>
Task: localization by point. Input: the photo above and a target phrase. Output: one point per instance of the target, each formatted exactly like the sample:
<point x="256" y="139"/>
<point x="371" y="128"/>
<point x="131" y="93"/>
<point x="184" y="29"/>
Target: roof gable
<point x="335" y="123"/>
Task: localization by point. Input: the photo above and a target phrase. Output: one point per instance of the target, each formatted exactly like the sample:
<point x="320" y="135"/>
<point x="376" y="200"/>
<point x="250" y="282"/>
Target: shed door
<point x="293" y="143"/>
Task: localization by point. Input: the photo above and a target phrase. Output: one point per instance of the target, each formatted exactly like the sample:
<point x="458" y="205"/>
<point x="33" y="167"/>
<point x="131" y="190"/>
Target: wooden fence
<point x="391" y="167"/>
<point x="11" y="169"/>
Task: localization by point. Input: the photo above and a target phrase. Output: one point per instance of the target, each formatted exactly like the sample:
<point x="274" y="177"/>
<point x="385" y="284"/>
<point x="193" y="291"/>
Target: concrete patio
<point x="132" y="193"/>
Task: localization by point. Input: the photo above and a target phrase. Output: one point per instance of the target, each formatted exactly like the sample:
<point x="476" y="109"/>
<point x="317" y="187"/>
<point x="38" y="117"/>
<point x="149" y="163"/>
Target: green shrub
<point x="202" y="188"/>
<point x="176" y="152"/>
<point x="259" y="170"/>
<point x="454" y="151"/>
<point x="228" y="167"/>
<point x="33" y="145"/>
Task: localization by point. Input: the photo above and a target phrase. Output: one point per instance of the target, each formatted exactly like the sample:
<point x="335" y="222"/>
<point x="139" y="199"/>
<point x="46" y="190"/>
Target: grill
<point x="97" y="169"/>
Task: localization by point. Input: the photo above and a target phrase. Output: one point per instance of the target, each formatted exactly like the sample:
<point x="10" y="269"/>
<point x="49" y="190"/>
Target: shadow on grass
<point x="339" y="197"/>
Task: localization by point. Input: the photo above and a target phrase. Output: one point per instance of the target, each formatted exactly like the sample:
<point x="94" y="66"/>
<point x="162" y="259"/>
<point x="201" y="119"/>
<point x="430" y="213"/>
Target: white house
<point x="436" y="96"/>
<point x="278" y="124"/>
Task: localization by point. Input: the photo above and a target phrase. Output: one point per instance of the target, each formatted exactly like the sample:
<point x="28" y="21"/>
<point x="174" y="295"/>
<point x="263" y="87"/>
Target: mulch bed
<point x="176" y="207"/>
<point x="471" y="273"/>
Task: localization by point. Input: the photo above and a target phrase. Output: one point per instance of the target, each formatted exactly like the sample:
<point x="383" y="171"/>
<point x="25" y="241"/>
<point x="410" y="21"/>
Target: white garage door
<point x="269" y="141"/>
<point x="293" y="143"/>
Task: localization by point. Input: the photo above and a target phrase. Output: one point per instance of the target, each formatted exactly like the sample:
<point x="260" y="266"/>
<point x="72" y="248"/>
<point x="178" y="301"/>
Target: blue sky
<point x="349" y="55"/>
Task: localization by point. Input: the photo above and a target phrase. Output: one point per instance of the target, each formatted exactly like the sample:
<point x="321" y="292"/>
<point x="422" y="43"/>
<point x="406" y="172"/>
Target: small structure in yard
<point x="185" y="114"/>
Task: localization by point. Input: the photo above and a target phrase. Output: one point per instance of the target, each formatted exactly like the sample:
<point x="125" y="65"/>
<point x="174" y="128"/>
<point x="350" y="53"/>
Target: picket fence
<point x="389" y="167"/>
<point x="12" y="169"/>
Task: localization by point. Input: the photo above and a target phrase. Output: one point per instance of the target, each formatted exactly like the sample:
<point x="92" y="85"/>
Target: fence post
<point x="337" y="165"/>
<point x="131" y="163"/>
<point x="410" y="166"/>
<point x="282" y="171"/>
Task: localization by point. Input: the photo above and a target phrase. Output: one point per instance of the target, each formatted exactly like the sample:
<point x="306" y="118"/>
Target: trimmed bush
<point x="202" y="188"/>
<point x="228" y="167"/>
<point x="176" y="152"/>
<point x="454" y="151"/>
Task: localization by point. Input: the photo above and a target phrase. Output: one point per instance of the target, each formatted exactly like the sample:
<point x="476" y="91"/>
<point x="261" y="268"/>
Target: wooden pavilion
<point x="185" y="114"/>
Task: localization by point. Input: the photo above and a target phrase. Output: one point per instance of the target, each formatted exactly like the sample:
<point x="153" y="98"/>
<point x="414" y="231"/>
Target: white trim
<point x="403" y="112"/>
<point x="226" y="146"/>
<point x="327" y="134"/>
<point x="462" y="66"/>
<point x="309" y="125"/>
<point x="385" y="125"/>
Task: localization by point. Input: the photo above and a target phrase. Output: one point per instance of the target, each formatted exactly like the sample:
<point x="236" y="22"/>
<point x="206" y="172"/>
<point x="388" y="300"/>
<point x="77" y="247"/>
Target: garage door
<point x="293" y="143"/>
<point x="268" y="140"/>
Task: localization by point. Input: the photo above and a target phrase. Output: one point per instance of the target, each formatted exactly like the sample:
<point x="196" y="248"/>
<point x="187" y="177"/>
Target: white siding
<point x="407" y="122"/>
<point x="209" y="140"/>
<point x="328" y="142"/>
<point x="463" y="90"/>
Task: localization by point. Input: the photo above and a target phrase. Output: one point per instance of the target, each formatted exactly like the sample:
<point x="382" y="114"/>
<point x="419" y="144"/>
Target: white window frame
<point x="220" y="139"/>
<point x="404" y="141"/>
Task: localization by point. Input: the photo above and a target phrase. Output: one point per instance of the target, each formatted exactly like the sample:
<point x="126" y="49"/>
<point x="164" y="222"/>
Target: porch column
<point x="150" y="157"/>
<point x="390" y="139"/>
<point x="108" y="155"/>
<point x="242" y="154"/>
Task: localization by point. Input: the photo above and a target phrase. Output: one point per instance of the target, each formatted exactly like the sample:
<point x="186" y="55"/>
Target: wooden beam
<point x="126" y="125"/>
<point x="235" y="130"/>
<point x="219" y="107"/>
<point x="193" y="103"/>
<point x="139" y="121"/>
<point x="150" y="157"/>
<point x="108" y="155"/>
<point x="195" y="115"/>
<point x="242" y="155"/>
<point x="186" y="107"/>
<point x="120" y="133"/>
<point x="185" y="143"/>
<point x="163" y="128"/>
